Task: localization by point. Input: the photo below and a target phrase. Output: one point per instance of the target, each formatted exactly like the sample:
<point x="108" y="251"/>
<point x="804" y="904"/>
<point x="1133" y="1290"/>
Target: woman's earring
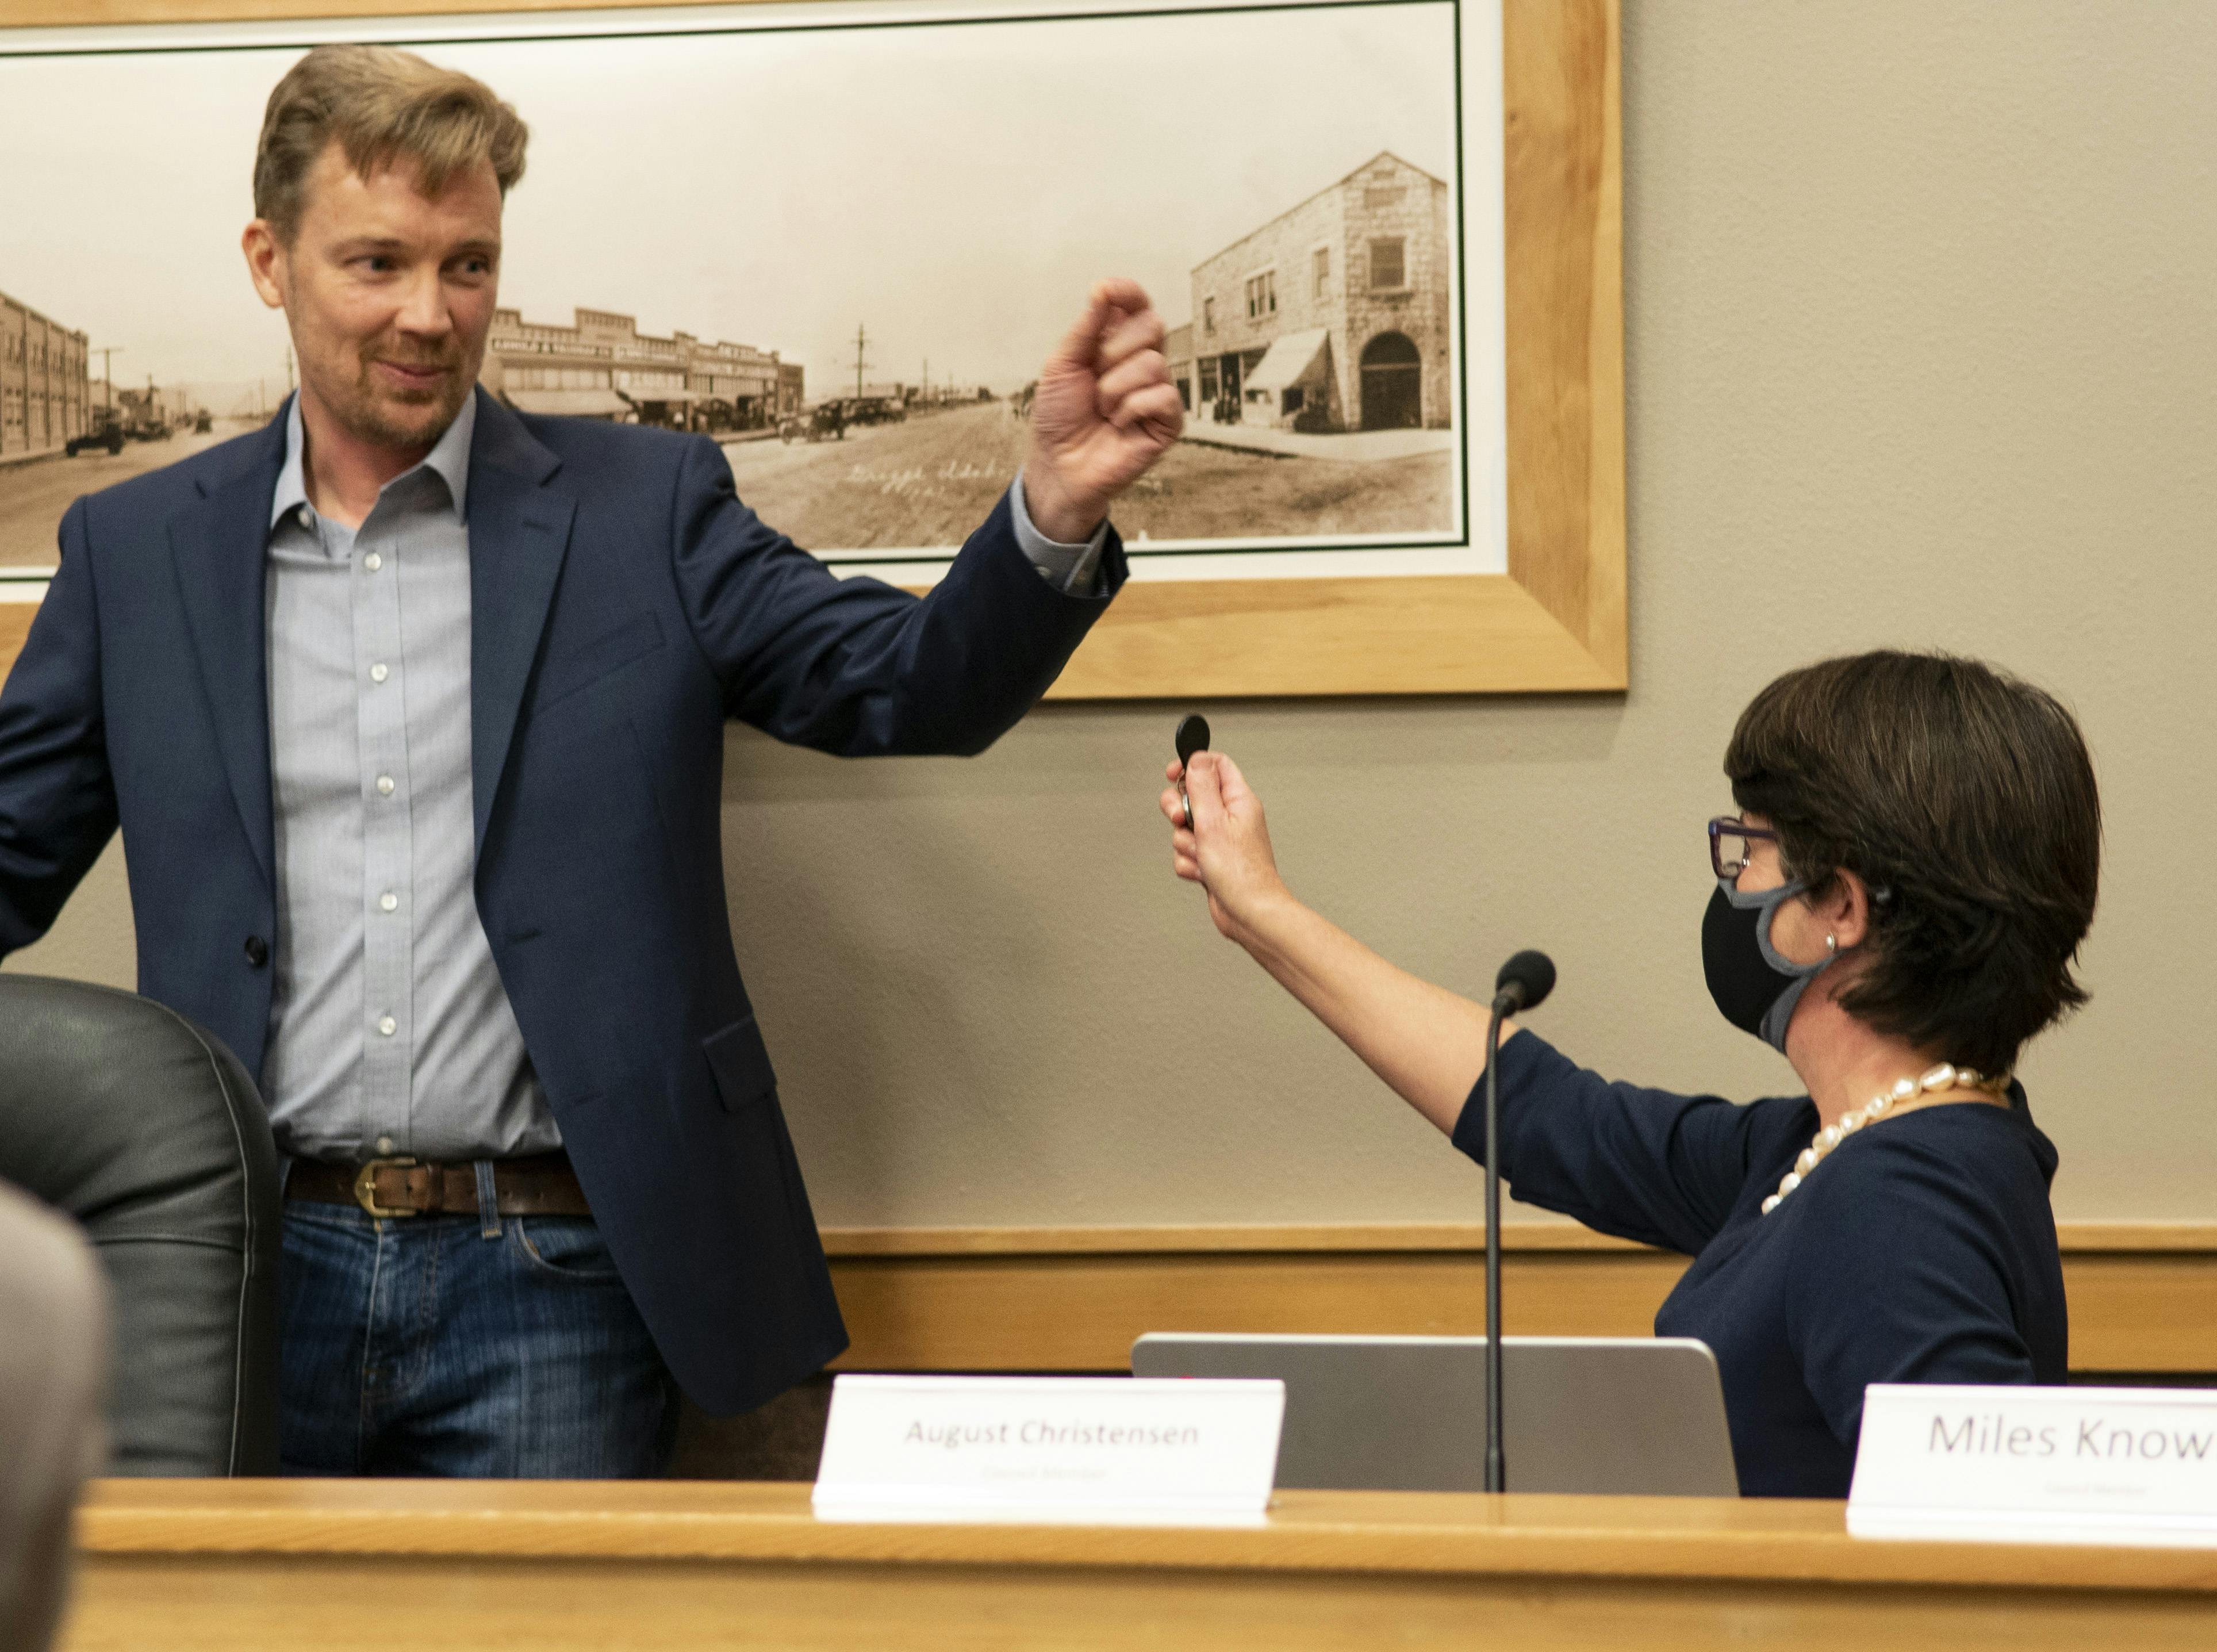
<point x="1831" y="945"/>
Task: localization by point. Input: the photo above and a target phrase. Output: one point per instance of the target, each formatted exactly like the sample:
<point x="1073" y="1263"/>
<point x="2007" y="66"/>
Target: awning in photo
<point x="674" y="397"/>
<point x="586" y="404"/>
<point x="1289" y="360"/>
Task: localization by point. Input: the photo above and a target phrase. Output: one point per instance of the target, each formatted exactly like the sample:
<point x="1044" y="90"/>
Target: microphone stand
<point x="1524" y="980"/>
<point x="1496" y="1468"/>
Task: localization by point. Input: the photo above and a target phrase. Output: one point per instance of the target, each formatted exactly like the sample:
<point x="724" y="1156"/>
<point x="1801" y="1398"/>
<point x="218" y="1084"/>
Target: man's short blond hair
<point x="381" y="106"/>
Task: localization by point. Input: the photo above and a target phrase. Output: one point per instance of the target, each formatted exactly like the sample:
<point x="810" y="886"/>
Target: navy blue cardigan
<point x="1921" y="1250"/>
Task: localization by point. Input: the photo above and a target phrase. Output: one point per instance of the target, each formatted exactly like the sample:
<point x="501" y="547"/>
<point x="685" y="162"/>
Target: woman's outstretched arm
<point x="1642" y="1163"/>
<point x="1425" y="1041"/>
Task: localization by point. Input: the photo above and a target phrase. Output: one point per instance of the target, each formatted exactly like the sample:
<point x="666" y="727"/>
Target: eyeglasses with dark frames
<point x="1731" y="840"/>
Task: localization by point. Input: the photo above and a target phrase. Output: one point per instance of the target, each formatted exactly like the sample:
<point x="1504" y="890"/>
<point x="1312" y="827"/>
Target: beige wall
<point x="1922" y="350"/>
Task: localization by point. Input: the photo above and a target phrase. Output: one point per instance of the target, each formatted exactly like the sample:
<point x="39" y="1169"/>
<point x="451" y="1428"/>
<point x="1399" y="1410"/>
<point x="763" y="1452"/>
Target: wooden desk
<point x="335" y="1565"/>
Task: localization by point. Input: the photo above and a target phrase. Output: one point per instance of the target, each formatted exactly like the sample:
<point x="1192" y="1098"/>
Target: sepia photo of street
<point x="841" y="249"/>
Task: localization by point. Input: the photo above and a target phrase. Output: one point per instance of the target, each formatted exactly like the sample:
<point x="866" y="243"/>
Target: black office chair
<point x="145" y="1130"/>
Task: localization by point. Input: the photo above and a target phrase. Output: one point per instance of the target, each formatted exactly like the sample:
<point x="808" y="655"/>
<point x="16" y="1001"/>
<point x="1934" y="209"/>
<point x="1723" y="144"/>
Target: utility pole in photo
<point x="107" y="354"/>
<point x="862" y="340"/>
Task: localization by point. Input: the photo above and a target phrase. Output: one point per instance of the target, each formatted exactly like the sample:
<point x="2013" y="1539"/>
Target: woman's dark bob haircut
<point x="1965" y="800"/>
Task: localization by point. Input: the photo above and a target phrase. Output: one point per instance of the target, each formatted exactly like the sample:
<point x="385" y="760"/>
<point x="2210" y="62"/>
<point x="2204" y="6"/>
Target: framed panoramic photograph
<point x="840" y="236"/>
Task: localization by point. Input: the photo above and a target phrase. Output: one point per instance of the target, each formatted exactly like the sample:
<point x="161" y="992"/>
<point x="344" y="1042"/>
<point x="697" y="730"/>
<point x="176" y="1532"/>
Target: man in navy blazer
<point x="410" y="711"/>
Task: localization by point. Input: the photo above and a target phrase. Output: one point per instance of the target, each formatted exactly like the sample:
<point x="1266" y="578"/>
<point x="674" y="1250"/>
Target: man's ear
<point x="265" y="262"/>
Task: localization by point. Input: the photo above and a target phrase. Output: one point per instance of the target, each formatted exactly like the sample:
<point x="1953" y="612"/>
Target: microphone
<point x="1523" y="982"/>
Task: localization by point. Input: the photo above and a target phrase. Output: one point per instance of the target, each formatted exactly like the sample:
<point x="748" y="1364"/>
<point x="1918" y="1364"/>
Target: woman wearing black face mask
<point x="1897" y="906"/>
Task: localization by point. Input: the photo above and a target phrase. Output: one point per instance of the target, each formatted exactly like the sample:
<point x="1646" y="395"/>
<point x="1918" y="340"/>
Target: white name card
<point x="1114" y="1450"/>
<point x="2037" y="1465"/>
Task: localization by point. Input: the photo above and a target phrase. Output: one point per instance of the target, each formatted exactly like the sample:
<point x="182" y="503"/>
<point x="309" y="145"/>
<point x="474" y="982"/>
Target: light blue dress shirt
<point x="389" y="1029"/>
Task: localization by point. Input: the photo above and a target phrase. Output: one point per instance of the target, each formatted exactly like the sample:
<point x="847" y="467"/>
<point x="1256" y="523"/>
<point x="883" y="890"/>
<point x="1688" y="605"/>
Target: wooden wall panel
<point x="15" y="625"/>
<point x="2143" y="1298"/>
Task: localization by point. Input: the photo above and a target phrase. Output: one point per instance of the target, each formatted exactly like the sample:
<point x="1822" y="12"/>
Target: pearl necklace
<point x="1946" y="1076"/>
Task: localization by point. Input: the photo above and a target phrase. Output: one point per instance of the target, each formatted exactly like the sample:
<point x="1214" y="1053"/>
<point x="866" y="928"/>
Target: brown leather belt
<point x="538" y="1184"/>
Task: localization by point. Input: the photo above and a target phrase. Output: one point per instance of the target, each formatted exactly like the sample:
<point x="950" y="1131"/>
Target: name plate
<point x="2037" y="1465"/>
<point x="1114" y="1450"/>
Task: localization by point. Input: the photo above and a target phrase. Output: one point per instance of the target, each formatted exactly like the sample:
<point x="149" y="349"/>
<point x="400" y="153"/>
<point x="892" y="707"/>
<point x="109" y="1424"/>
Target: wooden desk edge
<point x="1652" y="1538"/>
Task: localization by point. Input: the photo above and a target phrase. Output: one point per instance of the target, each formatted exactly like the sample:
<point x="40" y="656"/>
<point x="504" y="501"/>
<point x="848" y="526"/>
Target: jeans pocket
<point x="569" y="1248"/>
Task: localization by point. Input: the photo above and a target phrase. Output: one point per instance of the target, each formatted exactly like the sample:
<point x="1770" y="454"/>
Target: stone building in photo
<point x="1177" y="351"/>
<point x="735" y="377"/>
<point x="602" y="367"/>
<point x="45" y="382"/>
<point x="1333" y="316"/>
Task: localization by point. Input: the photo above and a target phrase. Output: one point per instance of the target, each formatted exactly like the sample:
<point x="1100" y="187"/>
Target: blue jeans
<point x="488" y="1346"/>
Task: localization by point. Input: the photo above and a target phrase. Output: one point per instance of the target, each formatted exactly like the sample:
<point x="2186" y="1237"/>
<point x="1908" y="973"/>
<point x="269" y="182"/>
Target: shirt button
<point x="384" y="1144"/>
<point x="389" y="902"/>
<point x="388" y="1026"/>
<point x="385" y="785"/>
<point x="257" y="952"/>
<point x="372" y="562"/>
<point x="377" y="673"/>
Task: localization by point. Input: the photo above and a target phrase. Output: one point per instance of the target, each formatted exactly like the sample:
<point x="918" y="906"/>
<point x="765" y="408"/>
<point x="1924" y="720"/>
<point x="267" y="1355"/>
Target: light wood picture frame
<point x="1555" y="622"/>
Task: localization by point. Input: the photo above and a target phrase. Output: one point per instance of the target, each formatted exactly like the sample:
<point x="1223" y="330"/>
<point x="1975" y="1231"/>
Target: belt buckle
<point x="365" y="1185"/>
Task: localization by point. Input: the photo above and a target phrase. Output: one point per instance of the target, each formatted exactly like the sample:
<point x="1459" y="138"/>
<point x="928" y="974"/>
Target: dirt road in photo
<point x="930" y="481"/>
<point x="34" y="495"/>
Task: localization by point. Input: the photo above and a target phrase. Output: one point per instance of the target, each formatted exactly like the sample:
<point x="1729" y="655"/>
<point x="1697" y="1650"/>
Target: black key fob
<point x="1192" y="736"/>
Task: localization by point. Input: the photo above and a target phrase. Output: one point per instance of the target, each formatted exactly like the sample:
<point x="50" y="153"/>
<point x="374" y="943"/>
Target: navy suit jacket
<point x="623" y="604"/>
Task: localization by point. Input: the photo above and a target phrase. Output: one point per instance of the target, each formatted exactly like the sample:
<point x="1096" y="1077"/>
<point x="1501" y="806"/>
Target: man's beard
<point x="418" y="419"/>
